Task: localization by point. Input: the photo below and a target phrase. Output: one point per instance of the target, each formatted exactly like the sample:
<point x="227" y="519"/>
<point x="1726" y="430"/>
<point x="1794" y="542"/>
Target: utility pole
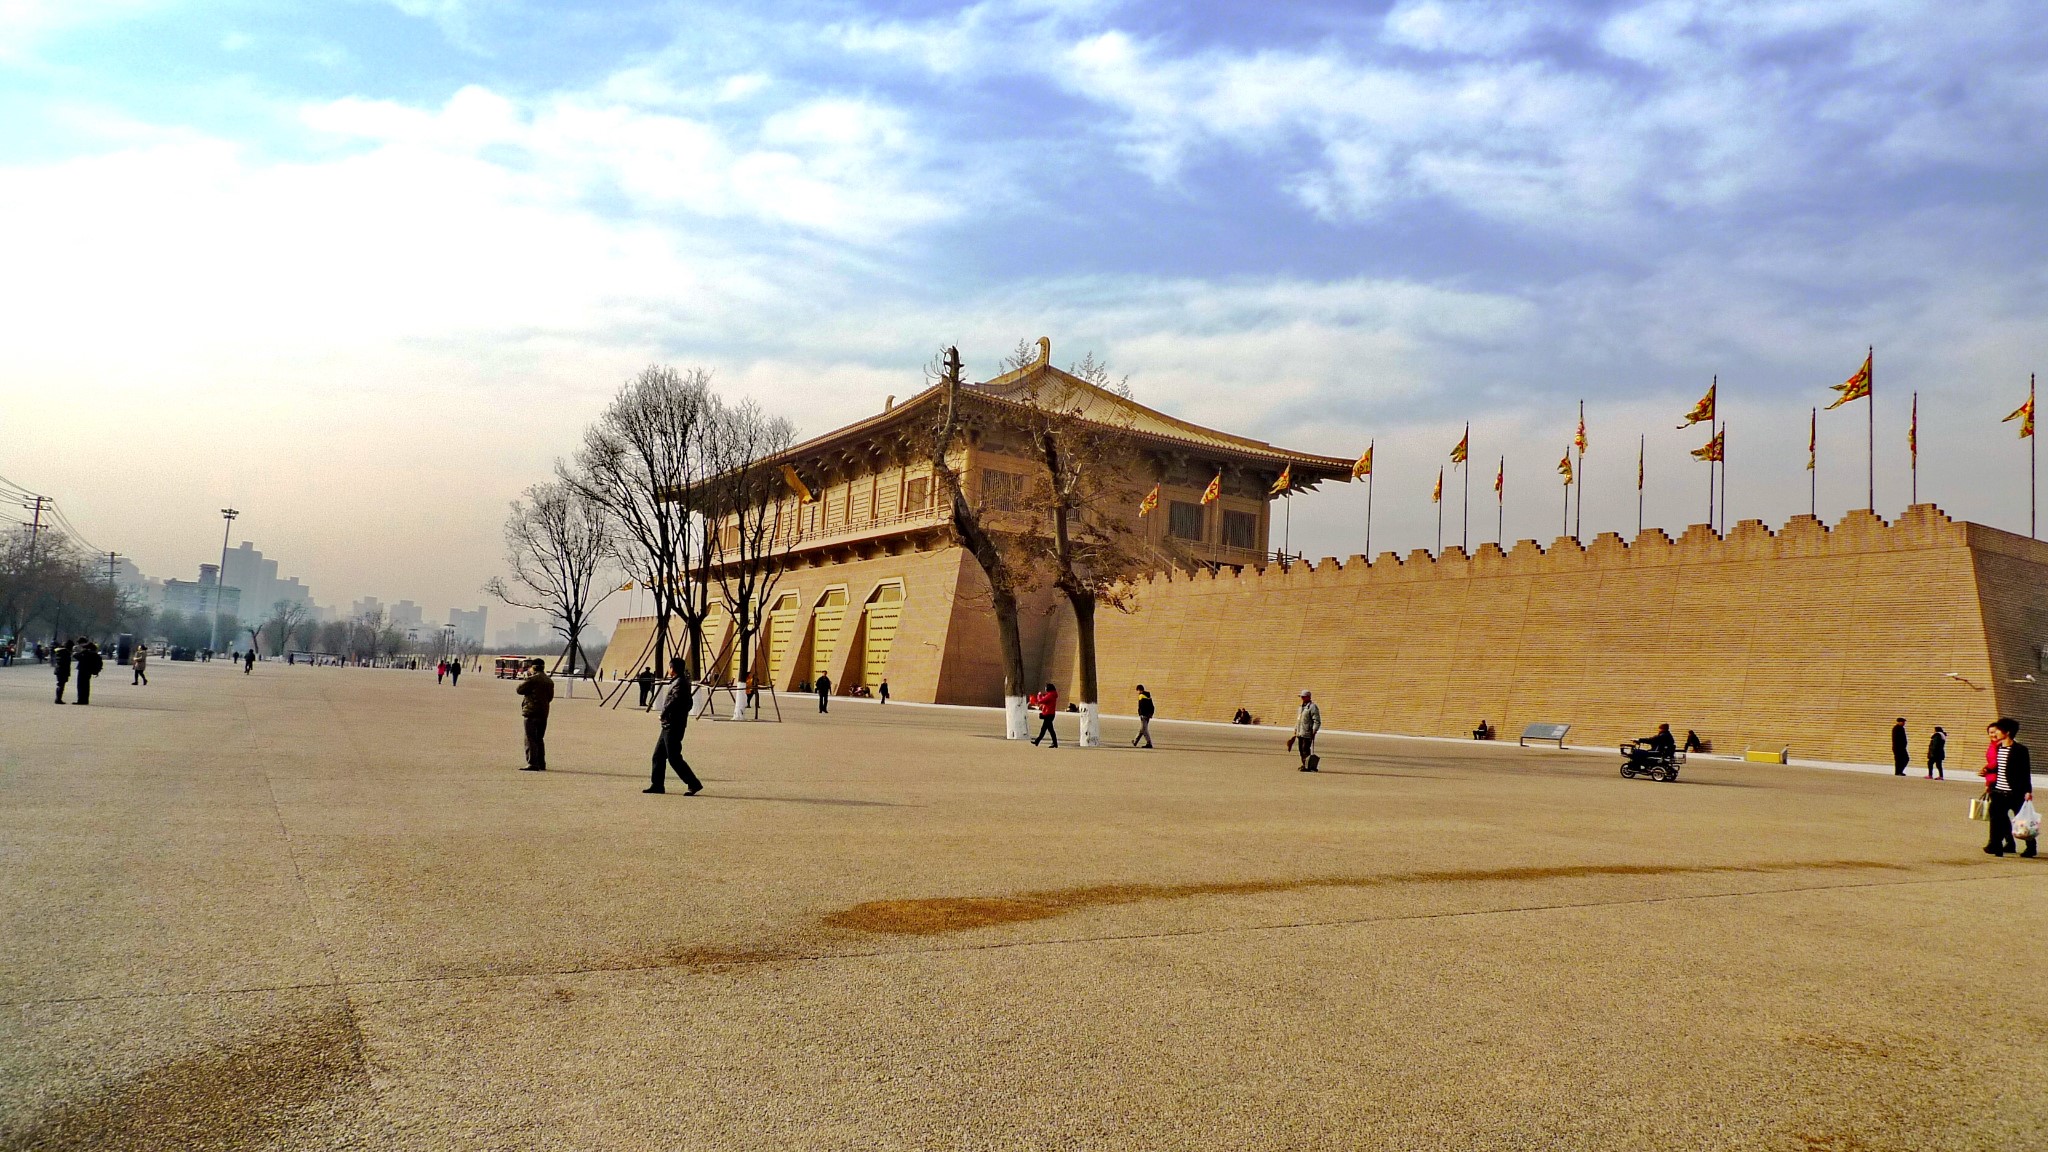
<point x="220" y="578"/>
<point x="35" y="528"/>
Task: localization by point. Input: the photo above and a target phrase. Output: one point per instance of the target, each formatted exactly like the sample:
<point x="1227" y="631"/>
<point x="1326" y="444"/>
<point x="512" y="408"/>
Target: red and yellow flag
<point x="1437" y="497"/>
<point x="1464" y="448"/>
<point x="2024" y="414"/>
<point x="1711" y="450"/>
<point x="1363" y="468"/>
<point x="1812" y="438"/>
<point x="1285" y="483"/>
<point x="1500" y="478"/>
<point x="1856" y="387"/>
<point x="1564" y="467"/>
<point x="1913" y="432"/>
<point x="1215" y="489"/>
<point x="1150" y="501"/>
<point x="1579" y="441"/>
<point x="1703" y="412"/>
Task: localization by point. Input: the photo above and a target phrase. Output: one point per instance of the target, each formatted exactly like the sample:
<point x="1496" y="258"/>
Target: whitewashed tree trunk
<point x="739" y="705"/>
<point x="1091" y="725"/>
<point x="1015" y="725"/>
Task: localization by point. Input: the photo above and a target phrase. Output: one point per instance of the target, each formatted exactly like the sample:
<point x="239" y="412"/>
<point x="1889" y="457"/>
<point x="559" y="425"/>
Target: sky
<point x="364" y="269"/>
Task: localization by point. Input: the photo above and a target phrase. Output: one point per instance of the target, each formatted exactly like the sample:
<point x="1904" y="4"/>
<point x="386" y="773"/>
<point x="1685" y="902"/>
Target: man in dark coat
<point x="675" y="718"/>
<point x="1899" y="753"/>
<point x="646" y="682"/>
<point x="60" y="664"/>
<point x="824" y="687"/>
<point x="2012" y="784"/>
<point x="536" y="696"/>
<point x="1145" y="711"/>
<point x="87" y="657"/>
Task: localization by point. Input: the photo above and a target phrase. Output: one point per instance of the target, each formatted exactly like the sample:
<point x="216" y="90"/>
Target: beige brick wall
<point x="1809" y="637"/>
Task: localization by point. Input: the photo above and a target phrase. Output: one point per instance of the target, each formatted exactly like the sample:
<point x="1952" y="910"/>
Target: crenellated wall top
<point x="1860" y="532"/>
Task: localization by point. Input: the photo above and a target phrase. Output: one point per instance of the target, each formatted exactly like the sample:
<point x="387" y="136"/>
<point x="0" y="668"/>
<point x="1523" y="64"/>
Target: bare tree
<point x="557" y="542"/>
<point x="643" y="463"/>
<point x="755" y="525"/>
<point x="285" y="618"/>
<point x="1006" y="575"/>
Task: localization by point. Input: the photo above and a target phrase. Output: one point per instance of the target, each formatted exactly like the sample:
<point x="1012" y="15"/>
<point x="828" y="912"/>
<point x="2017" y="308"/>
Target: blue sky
<point x="391" y="255"/>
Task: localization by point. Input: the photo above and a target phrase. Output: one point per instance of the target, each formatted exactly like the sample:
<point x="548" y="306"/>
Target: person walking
<point x="882" y="692"/>
<point x="675" y="719"/>
<point x="536" y="696"/>
<point x="2012" y="784"/>
<point x="60" y="666"/>
<point x="1307" y="723"/>
<point x="139" y="662"/>
<point x="1048" y="704"/>
<point x="454" y="673"/>
<point x="1899" y="755"/>
<point x="249" y="661"/>
<point x="1937" y="753"/>
<point x="824" y="687"/>
<point x="86" y="656"/>
<point x="1145" y="710"/>
<point x="645" y="681"/>
<point x="440" y="671"/>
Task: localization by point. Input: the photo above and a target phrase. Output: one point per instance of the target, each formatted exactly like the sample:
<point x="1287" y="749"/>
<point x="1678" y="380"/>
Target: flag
<point x="1214" y="490"/>
<point x="2025" y="415"/>
<point x="1363" y="468"/>
<point x="1711" y="450"/>
<point x="1580" y="440"/>
<point x="1437" y="497"/>
<point x="796" y="485"/>
<point x="1150" y="501"/>
<point x="1856" y="387"/>
<point x="1464" y="447"/>
<point x="1812" y="438"/>
<point x="1702" y="412"/>
<point x="1285" y="483"/>
<point x="1500" y="478"/>
<point x="1564" y="467"/>
<point x="1913" y="433"/>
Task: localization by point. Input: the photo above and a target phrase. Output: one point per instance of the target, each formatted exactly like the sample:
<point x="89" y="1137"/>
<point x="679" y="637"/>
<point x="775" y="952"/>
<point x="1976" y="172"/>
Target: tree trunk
<point x="1088" y="692"/>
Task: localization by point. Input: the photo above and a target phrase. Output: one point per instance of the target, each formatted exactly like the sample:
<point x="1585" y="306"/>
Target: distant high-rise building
<point x="406" y="614"/>
<point x="203" y="596"/>
<point x="469" y="625"/>
<point x="367" y="606"/>
<point x="249" y="570"/>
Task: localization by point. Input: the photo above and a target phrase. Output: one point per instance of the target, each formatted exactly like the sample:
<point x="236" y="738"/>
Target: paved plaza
<point x="317" y="908"/>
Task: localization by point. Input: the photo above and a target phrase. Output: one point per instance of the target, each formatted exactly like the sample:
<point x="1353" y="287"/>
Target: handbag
<point x="1980" y="807"/>
<point x="2026" y="823"/>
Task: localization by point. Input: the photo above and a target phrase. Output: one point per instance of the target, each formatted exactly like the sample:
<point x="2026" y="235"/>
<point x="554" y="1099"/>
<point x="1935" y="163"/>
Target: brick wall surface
<point x="1809" y="637"/>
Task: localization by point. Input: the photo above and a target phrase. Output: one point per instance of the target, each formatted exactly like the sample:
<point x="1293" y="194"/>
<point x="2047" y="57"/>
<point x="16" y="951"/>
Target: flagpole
<point x="1813" y="464"/>
<point x="1578" y="521"/>
<point x="1287" y="525"/>
<point x="1566" y="528"/>
<point x="1642" y="442"/>
<point x="1870" y="420"/>
<point x="1913" y="443"/>
<point x="1439" y="511"/>
<point x="1710" y="479"/>
<point x="1465" y="513"/>
<point x="1500" y="502"/>
<point x="2033" y="459"/>
<point x="1723" y="436"/>
<point x="1368" y="502"/>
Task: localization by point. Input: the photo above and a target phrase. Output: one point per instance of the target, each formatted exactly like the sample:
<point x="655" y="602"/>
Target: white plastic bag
<point x="2026" y="823"/>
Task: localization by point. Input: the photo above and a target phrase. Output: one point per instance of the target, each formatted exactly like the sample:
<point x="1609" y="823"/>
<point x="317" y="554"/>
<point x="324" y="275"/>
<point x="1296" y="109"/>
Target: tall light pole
<point x="220" y="578"/>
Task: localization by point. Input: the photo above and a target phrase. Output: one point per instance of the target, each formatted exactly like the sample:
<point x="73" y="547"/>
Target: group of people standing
<point x="83" y="656"/>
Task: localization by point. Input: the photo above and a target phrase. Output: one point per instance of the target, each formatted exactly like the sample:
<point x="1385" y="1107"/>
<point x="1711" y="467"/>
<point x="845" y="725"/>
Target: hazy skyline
<point x="364" y="270"/>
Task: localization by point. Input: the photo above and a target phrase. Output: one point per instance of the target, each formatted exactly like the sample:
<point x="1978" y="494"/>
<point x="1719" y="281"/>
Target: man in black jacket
<point x="87" y="657"/>
<point x="2012" y="784"/>
<point x="675" y="717"/>
<point x="1900" y="757"/>
<point x="1145" y="711"/>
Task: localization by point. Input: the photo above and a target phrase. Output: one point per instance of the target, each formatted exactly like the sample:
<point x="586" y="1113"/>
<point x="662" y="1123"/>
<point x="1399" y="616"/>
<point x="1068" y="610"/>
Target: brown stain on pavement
<point x="246" y="1096"/>
<point x="934" y="916"/>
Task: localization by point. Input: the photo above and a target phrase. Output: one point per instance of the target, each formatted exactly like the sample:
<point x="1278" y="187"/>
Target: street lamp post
<point x="220" y="578"/>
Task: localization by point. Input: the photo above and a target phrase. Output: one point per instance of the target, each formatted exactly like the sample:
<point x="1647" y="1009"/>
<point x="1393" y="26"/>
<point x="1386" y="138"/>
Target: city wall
<point x="1809" y="637"/>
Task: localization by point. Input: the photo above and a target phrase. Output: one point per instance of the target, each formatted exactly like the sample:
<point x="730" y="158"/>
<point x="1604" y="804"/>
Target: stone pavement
<point x="318" y="908"/>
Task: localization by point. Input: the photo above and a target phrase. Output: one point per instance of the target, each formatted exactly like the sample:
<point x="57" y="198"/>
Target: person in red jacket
<point x="1048" y="705"/>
